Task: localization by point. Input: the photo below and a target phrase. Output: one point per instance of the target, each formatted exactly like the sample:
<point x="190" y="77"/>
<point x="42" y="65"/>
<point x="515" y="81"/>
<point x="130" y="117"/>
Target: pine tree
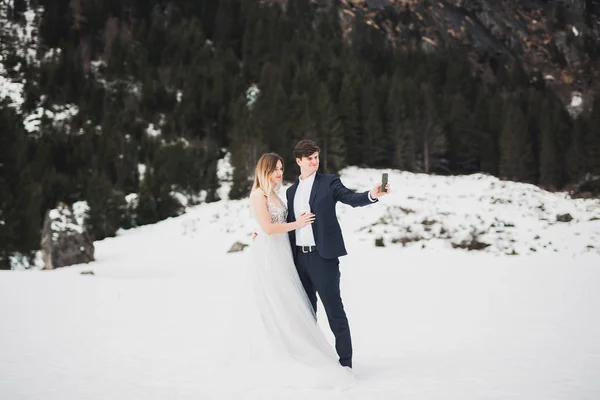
<point x="405" y="146"/>
<point x="373" y="147"/>
<point x="156" y="201"/>
<point x="433" y="140"/>
<point x="531" y="103"/>
<point x="483" y="123"/>
<point x="349" y="113"/>
<point x="301" y="12"/>
<point x="147" y="208"/>
<point x="550" y="165"/>
<point x="301" y="123"/>
<point x="107" y="207"/>
<point x="576" y="157"/>
<point x="269" y="113"/>
<point x="329" y="132"/>
<point x="12" y="149"/>
<point x="212" y="182"/>
<point x="463" y="143"/>
<point x="592" y="139"/>
<point x="254" y="52"/>
<point x="245" y="149"/>
<point x="19" y="200"/>
<point x="225" y="24"/>
<point x="393" y="118"/>
<point x="514" y="145"/>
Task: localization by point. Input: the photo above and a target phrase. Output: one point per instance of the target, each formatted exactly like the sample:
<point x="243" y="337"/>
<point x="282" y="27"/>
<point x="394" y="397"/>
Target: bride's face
<point x="277" y="175"/>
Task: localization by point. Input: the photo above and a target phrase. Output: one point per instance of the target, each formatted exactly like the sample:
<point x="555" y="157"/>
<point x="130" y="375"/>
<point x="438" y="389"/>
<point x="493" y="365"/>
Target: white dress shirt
<point x="305" y="235"/>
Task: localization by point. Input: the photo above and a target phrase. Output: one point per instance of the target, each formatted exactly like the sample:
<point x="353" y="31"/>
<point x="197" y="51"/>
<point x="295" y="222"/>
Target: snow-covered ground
<point x="428" y="321"/>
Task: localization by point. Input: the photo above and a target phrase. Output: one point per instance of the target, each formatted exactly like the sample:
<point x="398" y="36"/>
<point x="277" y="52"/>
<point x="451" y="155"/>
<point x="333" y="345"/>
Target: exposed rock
<point x="87" y="273"/>
<point x="237" y="246"/>
<point x="564" y="217"/>
<point x="472" y="244"/>
<point x="64" y="240"/>
<point x="379" y="242"/>
<point x="404" y="240"/>
<point x="555" y="39"/>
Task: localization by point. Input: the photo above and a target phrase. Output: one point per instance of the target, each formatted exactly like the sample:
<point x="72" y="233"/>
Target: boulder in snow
<point x="237" y="246"/>
<point x="64" y="240"/>
<point x="564" y="217"/>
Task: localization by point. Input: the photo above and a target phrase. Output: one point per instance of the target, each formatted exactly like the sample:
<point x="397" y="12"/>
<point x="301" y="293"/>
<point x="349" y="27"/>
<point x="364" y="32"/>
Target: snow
<point x="132" y="200"/>
<point x="180" y="198"/>
<point x="60" y="115"/>
<point x="575" y="31"/>
<point x="96" y="65"/>
<point x="141" y="171"/>
<point x="52" y="55"/>
<point x="510" y="217"/>
<point x="575" y="108"/>
<point x="81" y="211"/>
<point x="20" y="262"/>
<point x="225" y="176"/>
<point x="427" y="323"/>
<point x="252" y="94"/>
<point x="9" y="89"/>
<point x="62" y="220"/>
<point x="152" y="131"/>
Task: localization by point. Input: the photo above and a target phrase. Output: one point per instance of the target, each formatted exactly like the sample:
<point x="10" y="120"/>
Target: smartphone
<point x="384" y="181"/>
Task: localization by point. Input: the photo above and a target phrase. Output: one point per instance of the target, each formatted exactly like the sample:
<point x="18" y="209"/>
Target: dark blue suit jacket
<point x="326" y="191"/>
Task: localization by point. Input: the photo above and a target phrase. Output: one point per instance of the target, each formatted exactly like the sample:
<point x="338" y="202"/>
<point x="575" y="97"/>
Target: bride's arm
<point x="259" y="204"/>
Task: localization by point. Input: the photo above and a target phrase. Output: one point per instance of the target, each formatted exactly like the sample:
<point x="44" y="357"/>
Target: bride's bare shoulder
<point x="258" y="198"/>
<point x="257" y="193"/>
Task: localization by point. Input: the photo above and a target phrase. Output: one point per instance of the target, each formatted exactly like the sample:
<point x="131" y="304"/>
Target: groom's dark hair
<point x="305" y="148"/>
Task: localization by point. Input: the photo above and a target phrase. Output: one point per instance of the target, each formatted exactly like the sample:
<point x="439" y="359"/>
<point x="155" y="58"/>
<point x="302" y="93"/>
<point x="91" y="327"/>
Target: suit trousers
<point x="320" y="275"/>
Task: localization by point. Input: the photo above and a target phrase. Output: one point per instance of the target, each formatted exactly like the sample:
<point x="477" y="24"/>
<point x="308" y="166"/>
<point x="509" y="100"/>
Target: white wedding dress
<point x="281" y="337"/>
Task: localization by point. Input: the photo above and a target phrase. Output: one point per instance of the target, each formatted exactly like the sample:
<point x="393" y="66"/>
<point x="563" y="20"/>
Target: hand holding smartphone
<point x="381" y="189"/>
<point x="384" y="181"/>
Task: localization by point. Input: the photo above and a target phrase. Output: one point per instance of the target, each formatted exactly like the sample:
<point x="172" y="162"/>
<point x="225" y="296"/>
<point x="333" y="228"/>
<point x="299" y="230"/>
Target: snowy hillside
<point x="442" y="212"/>
<point x="428" y="321"/>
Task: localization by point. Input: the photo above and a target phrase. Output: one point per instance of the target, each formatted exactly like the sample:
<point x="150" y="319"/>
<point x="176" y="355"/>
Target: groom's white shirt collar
<point x="310" y="178"/>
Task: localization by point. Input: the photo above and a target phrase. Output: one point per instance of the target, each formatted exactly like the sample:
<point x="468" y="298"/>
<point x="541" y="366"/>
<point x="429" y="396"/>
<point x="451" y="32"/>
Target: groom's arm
<point x="342" y="194"/>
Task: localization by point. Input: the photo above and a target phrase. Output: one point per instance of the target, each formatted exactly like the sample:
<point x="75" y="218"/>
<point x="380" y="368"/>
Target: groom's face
<point x="309" y="164"/>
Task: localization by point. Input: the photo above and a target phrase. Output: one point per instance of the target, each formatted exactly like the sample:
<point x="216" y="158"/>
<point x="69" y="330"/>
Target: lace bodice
<point x="277" y="211"/>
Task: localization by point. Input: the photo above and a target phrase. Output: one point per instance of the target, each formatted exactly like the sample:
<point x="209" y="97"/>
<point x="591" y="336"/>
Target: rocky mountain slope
<point x="552" y="40"/>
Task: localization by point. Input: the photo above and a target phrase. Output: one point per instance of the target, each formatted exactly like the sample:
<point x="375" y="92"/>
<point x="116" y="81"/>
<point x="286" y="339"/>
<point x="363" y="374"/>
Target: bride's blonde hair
<point x="266" y="165"/>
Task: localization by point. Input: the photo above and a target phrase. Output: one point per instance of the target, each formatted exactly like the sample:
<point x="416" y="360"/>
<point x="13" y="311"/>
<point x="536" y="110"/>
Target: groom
<point x="317" y="246"/>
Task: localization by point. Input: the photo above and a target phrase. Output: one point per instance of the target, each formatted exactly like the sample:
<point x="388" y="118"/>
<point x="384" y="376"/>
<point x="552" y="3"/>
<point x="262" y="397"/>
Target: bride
<point x="283" y="331"/>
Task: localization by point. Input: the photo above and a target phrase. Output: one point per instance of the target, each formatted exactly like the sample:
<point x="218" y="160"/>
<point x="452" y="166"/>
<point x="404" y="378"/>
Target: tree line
<point x="163" y="88"/>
